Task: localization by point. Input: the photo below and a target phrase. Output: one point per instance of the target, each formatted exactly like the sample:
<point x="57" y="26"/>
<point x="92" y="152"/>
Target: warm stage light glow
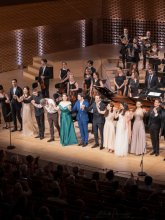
<point x="83" y="33"/>
<point x="18" y="38"/>
<point x="40" y="40"/>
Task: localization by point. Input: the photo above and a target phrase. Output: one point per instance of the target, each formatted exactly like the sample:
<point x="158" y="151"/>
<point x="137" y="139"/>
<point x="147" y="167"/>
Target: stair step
<point x="38" y="64"/>
<point x="33" y="69"/>
<point x="29" y="74"/>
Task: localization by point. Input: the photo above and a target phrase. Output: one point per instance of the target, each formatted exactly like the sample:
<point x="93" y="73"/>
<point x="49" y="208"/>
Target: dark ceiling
<point x="20" y="2"/>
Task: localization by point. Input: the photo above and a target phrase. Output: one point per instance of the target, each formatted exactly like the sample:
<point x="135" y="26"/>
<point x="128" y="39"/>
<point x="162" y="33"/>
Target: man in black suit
<point x="90" y="66"/>
<point x="151" y="80"/>
<point x="135" y="50"/>
<point x="98" y="119"/>
<point x="16" y="106"/>
<point x="39" y="112"/>
<point x="149" y="66"/>
<point x="146" y="47"/>
<point x="124" y="45"/>
<point x="44" y="74"/>
<point x="154" y="125"/>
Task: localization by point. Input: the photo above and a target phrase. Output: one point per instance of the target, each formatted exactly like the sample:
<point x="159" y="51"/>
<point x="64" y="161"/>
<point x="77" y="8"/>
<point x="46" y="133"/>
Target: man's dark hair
<point x="110" y="175"/>
<point x="134" y="190"/>
<point x="148" y="180"/>
<point x="95" y="176"/>
<point x="29" y="159"/>
<point x="45" y="60"/>
<point x="34" y="90"/>
<point x="158" y="100"/>
<point x="144" y="213"/>
<point x="43" y="211"/>
<point x="125" y="28"/>
<point x="14" y="80"/>
<point x="59" y="168"/>
<point x="82" y="94"/>
<point x="56" y="191"/>
<point x="90" y="61"/>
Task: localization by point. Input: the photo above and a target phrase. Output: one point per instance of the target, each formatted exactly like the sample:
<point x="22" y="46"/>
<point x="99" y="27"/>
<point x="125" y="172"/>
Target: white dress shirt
<point x="14" y="90"/>
<point x="44" y="67"/>
<point x="49" y="110"/>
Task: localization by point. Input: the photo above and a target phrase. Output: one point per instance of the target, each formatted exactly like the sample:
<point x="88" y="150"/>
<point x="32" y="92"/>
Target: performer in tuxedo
<point x="82" y="118"/>
<point x="149" y="66"/>
<point x="133" y="52"/>
<point x="98" y="119"/>
<point x="90" y="66"/>
<point x="162" y="133"/>
<point x="44" y="74"/>
<point x="125" y="39"/>
<point x="39" y="112"/>
<point x="151" y="81"/>
<point x="147" y="45"/>
<point x="15" y="106"/>
<point x="154" y="125"/>
<point x="52" y="115"/>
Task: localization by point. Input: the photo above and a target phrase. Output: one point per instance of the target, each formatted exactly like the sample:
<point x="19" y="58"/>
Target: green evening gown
<point x="67" y="132"/>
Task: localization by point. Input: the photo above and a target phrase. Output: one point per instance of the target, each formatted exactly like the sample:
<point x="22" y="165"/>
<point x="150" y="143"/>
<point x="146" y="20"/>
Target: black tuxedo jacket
<point x="38" y="111"/>
<point x="19" y="93"/>
<point x="92" y="69"/>
<point x="154" y="120"/>
<point x="123" y="46"/>
<point x="147" y="48"/>
<point x="97" y="117"/>
<point x="163" y="123"/>
<point x="136" y="52"/>
<point x="47" y="75"/>
<point x="154" y="82"/>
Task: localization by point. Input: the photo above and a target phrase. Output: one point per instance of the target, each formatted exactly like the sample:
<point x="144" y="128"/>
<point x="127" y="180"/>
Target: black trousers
<point x="154" y="133"/>
<point x="41" y="124"/>
<point x="95" y="129"/>
<point x="16" y="113"/>
<point x="45" y="92"/>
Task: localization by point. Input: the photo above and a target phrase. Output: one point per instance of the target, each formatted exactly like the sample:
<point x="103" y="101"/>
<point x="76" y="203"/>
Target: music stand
<point x="10" y="146"/>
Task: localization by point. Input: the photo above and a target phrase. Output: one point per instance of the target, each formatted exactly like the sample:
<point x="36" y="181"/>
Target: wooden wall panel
<point x="46" y="13"/>
<point x="138" y="15"/>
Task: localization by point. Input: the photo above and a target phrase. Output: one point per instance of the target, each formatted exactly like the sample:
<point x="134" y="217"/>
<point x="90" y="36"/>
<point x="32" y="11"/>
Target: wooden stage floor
<point x="87" y="158"/>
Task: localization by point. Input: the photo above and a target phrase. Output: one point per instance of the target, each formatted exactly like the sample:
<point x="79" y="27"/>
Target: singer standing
<point x="15" y="106"/>
<point x="44" y="74"/>
<point x="98" y="119"/>
<point x="154" y="125"/>
<point x="135" y="50"/>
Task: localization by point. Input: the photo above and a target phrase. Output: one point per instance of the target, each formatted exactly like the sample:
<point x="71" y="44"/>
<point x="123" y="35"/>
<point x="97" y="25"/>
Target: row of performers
<point x="124" y="83"/>
<point x="103" y="116"/>
<point x="131" y="50"/>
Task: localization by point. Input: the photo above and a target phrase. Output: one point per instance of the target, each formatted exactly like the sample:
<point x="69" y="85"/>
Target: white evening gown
<point x="28" y="126"/>
<point x="109" y="132"/>
<point x="121" y="144"/>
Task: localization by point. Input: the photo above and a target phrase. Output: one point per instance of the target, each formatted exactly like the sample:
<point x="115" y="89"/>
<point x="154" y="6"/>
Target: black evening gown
<point x="5" y="110"/>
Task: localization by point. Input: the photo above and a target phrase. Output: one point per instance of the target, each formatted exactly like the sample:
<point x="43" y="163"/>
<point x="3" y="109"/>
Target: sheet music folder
<point x="118" y="98"/>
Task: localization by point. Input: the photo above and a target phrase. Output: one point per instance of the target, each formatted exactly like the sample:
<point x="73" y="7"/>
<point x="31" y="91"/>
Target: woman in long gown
<point x="109" y="129"/>
<point x="5" y="107"/>
<point x="123" y="130"/>
<point x="67" y="132"/>
<point x="138" y="142"/>
<point x="28" y="126"/>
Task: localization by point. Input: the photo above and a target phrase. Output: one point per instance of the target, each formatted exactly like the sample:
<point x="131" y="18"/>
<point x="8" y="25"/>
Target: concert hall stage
<point x="87" y="158"/>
